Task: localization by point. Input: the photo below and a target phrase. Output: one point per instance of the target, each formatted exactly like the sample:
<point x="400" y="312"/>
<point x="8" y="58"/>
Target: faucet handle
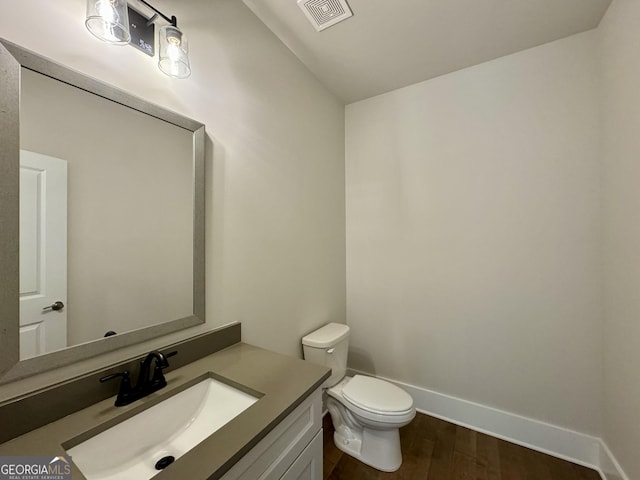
<point x="125" y="393"/>
<point x="170" y="354"/>
<point x="124" y="375"/>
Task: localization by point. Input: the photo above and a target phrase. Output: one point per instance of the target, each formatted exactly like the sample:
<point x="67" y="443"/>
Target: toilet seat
<point x="377" y="396"/>
<point x="374" y="401"/>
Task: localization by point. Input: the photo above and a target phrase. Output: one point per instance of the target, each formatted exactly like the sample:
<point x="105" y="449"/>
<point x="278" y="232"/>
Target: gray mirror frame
<point x="12" y="59"/>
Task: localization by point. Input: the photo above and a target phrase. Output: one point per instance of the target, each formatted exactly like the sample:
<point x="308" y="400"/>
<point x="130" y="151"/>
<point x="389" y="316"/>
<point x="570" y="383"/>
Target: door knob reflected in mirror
<point x="55" y="306"/>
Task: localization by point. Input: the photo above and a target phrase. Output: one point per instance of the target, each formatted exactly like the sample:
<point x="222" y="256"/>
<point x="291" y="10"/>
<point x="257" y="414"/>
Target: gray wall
<point x="473" y="234"/>
<point x="621" y="150"/>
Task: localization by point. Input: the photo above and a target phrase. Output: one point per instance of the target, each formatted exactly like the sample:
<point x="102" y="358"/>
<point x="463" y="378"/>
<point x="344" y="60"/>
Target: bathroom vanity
<point x="278" y="436"/>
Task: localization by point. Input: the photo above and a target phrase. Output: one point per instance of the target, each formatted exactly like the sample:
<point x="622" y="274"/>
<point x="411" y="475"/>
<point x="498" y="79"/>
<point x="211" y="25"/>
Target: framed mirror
<point x="101" y="217"/>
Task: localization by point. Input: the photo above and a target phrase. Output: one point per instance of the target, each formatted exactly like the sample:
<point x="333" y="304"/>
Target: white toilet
<point x="366" y="412"/>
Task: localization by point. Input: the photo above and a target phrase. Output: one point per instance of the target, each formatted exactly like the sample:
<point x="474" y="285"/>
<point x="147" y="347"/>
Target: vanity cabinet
<point x="291" y="451"/>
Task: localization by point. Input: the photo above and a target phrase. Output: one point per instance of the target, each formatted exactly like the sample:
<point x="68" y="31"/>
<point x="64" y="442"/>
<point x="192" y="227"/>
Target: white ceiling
<point x="389" y="44"/>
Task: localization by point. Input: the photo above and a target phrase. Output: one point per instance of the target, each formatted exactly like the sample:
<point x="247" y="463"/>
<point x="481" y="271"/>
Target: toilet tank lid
<point x="327" y="336"/>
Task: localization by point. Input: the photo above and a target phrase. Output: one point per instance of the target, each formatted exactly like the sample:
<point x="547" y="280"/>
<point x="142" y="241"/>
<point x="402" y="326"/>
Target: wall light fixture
<point x="109" y="21"/>
<point x="115" y="22"/>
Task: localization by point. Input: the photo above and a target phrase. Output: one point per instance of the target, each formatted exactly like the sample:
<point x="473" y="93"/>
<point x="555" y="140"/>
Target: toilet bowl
<point x="366" y="412"/>
<point x="367" y="423"/>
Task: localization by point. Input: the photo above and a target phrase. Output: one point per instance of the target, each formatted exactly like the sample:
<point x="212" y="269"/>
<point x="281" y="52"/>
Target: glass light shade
<point x="109" y="21"/>
<point x="174" y="52"/>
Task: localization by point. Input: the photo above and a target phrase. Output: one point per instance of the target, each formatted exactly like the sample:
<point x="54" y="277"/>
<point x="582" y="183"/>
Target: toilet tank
<point x="328" y="346"/>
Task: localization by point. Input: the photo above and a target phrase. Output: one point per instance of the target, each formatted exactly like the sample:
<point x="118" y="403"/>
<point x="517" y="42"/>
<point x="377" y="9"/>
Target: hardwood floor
<point x="433" y="449"/>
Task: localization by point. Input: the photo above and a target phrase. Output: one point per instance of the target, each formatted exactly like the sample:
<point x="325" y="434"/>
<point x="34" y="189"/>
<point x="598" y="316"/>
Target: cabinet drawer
<point x="273" y="455"/>
<point x="308" y="466"/>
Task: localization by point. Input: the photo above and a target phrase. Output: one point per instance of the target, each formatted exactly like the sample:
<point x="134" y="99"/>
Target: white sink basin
<point x="130" y="449"/>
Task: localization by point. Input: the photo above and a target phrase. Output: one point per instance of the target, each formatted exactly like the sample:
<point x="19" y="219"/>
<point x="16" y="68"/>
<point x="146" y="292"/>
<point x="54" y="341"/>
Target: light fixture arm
<point x="173" y="20"/>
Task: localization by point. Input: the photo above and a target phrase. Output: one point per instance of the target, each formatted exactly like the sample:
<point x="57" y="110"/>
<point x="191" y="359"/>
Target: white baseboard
<point x="560" y="442"/>
<point x="610" y="469"/>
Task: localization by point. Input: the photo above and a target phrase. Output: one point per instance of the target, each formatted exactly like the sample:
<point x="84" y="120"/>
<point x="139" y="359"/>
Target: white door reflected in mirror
<point x="43" y="253"/>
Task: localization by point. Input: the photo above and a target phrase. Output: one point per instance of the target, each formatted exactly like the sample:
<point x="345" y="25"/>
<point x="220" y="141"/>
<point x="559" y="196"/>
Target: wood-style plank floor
<point x="433" y="449"/>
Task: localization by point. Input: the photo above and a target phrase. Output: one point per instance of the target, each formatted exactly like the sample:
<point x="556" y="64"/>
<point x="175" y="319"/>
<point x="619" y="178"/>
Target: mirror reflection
<point x="106" y="217"/>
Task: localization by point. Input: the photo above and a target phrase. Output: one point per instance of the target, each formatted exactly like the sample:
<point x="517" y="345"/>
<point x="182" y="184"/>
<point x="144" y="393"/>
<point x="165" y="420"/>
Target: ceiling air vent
<point x="324" y="13"/>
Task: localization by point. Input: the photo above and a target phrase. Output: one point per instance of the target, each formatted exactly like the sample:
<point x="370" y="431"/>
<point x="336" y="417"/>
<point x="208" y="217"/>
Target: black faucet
<point x="144" y="385"/>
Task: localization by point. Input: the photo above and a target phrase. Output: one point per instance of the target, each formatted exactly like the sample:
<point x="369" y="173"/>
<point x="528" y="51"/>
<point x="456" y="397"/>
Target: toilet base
<point x="379" y="449"/>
